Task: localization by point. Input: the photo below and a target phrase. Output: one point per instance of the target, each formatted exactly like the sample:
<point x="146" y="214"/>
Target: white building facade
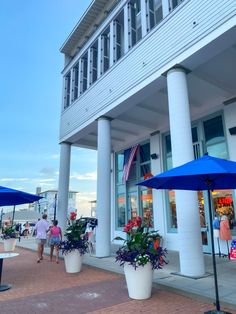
<point x="48" y="203"/>
<point x="161" y="74"/>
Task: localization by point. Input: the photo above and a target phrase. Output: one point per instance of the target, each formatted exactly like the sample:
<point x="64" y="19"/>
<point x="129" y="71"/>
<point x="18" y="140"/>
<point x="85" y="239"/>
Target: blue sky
<point x="32" y="33"/>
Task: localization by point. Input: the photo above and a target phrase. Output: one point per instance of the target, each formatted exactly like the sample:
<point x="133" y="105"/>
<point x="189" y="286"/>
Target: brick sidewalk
<point x="47" y="288"/>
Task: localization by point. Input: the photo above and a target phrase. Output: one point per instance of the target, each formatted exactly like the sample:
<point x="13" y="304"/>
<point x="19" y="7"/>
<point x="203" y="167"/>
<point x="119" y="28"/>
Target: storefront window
<point x="169" y="164"/>
<point x="132" y="200"/>
<point x="133" y="204"/>
<point x="224" y="205"/>
<point x="214" y="137"/>
<point x="203" y="220"/>
<point x="119" y="167"/>
<point x="146" y="204"/>
<point x="121" y="210"/>
<point x="172" y="210"/>
<point x="215" y="144"/>
<point x="145" y="164"/>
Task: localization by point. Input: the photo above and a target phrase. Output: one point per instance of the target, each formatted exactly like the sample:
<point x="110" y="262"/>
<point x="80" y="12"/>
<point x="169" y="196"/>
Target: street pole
<point x="2" y="213"/>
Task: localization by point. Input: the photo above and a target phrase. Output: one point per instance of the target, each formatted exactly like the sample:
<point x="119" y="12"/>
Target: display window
<point x="224" y="205"/>
<point x="207" y="136"/>
<point x="131" y="200"/>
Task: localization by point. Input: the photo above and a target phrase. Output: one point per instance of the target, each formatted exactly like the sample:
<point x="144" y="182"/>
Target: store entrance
<point x="223" y="205"/>
<point x="132" y="202"/>
<point x="204" y="221"/>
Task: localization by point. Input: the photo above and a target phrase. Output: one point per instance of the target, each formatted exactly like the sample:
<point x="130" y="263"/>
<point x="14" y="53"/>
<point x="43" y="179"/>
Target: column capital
<point x="177" y="67"/>
<point x="104" y="118"/>
<point x="65" y="142"/>
<point x="155" y="133"/>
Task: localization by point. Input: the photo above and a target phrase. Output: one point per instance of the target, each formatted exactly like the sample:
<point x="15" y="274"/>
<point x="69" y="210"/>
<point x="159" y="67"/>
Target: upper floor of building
<point x="105" y="33"/>
<point x="120" y="47"/>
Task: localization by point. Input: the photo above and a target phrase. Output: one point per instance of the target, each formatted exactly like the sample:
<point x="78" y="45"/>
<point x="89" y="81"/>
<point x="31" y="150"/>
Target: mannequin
<point x="216" y="227"/>
<point x="225" y="233"/>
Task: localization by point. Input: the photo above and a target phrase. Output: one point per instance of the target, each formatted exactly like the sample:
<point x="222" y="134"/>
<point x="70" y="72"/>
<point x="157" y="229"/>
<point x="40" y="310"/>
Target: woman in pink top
<point x="55" y="237"/>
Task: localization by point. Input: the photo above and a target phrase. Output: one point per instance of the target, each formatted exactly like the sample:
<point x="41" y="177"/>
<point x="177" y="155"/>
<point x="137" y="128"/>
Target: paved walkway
<point x="47" y="288"/>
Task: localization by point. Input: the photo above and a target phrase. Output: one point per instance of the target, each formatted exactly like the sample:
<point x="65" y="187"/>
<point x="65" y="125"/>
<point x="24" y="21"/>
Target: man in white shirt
<point x="41" y="227"/>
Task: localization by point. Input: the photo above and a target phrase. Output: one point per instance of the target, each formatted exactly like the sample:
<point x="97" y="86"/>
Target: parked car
<point x="31" y="229"/>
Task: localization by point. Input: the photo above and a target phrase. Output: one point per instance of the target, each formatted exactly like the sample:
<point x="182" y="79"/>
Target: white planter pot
<point x="139" y="281"/>
<point x="9" y="244"/>
<point x="73" y="261"/>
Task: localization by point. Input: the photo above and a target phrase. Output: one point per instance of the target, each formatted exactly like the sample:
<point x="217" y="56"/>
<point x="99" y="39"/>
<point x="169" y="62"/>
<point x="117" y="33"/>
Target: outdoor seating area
<point x="100" y="286"/>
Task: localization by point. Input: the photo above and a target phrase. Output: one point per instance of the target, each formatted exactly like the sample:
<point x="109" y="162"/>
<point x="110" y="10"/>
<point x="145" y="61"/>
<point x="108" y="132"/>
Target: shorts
<point x="41" y="241"/>
<point x="54" y="241"/>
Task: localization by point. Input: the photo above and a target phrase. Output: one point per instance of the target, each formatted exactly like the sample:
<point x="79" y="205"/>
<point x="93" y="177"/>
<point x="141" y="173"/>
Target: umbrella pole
<point x="218" y="241"/>
<point x="228" y="249"/>
<point x="213" y="253"/>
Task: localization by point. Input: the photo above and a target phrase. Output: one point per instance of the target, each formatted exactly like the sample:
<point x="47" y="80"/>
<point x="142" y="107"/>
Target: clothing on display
<point x="225" y="233"/>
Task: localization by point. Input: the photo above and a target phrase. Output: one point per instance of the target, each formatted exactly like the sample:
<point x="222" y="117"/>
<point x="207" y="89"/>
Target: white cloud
<point x="45" y="180"/>
<point x="89" y="176"/>
<point x="14" y="179"/>
<point x="54" y="156"/>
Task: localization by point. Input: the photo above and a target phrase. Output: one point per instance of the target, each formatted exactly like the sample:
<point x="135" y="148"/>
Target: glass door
<point x="204" y="220"/>
<point x="132" y="203"/>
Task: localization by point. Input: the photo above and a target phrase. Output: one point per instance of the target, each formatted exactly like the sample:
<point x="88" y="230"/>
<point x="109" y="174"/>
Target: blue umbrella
<point x="206" y="173"/>
<point x="14" y="197"/>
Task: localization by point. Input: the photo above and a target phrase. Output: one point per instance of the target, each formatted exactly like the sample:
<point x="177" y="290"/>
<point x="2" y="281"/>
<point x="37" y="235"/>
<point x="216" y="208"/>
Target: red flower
<point x="138" y="221"/>
<point x="156" y="244"/>
<point x="73" y="216"/>
<point x="128" y="227"/>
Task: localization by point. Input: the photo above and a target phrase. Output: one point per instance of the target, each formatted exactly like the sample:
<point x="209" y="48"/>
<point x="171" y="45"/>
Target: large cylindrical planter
<point x="73" y="261"/>
<point x="9" y="244"/>
<point x="139" y="281"/>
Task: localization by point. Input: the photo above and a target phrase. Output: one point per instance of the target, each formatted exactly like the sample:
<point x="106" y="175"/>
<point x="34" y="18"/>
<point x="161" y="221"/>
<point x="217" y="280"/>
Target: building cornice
<point x="87" y="20"/>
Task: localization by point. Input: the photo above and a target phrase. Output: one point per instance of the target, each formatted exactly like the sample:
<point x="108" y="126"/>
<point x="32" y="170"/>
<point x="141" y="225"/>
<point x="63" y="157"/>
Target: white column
<point x="189" y="234"/>
<point x="103" y="211"/>
<point x="165" y="8"/>
<point x="126" y="29"/>
<point x="63" y="187"/>
<point x="144" y="17"/>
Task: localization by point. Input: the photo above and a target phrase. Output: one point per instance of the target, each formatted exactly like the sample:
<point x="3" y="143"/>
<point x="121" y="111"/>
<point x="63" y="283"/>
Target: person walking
<point x="41" y="227"/>
<point x="27" y="229"/>
<point x="55" y="236"/>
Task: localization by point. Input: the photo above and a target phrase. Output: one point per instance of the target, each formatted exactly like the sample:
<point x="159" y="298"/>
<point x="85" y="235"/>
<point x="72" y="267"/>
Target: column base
<point x="192" y="277"/>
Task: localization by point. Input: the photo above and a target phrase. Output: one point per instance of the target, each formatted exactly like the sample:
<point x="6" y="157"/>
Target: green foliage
<point x="9" y="232"/>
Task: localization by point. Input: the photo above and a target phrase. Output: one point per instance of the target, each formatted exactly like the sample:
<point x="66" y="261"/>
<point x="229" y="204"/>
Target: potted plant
<point x="9" y="236"/>
<point x="75" y="245"/>
<point x="140" y="254"/>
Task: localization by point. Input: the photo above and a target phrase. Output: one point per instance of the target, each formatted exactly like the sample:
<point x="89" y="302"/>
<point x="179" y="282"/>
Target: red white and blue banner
<point x="129" y="156"/>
